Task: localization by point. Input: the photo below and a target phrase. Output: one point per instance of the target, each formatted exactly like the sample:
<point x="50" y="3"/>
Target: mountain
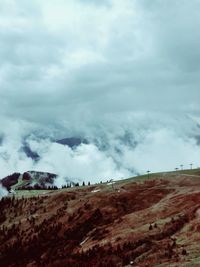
<point x="135" y="222"/>
<point x="10" y="180"/>
<point x="72" y="141"/>
<point x="27" y="179"/>
<point x="29" y="153"/>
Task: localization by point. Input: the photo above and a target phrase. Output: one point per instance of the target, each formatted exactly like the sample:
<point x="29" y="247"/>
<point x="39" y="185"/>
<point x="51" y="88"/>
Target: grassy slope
<point x="159" y="175"/>
<point x="139" y="178"/>
<point x="105" y="186"/>
<point x="19" y="184"/>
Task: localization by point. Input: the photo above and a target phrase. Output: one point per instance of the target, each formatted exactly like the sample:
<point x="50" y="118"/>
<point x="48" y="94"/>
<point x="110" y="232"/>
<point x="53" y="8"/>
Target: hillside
<point x="28" y="179"/>
<point x="133" y="222"/>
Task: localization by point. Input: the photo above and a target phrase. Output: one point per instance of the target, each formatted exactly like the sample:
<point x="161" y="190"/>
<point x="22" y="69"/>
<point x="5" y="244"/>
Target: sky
<point x="122" y="73"/>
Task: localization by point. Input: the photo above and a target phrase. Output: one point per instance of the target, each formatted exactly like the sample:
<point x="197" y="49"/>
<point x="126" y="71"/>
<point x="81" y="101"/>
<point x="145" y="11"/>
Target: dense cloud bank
<point x="108" y="154"/>
<point x="124" y="74"/>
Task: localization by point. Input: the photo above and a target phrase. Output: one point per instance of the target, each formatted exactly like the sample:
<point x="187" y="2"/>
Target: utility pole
<point x="181" y="166"/>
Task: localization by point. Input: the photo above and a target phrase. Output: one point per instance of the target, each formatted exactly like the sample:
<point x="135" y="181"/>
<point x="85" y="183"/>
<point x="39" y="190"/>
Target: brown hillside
<point x="139" y="222"/>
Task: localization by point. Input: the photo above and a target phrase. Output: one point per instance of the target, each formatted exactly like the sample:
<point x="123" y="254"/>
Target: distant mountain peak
<point x="72" y="141"/>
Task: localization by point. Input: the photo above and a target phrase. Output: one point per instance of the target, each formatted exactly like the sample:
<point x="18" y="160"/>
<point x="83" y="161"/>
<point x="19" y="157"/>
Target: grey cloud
<point x="131" y="76"/>
<point x="101" y="69"/>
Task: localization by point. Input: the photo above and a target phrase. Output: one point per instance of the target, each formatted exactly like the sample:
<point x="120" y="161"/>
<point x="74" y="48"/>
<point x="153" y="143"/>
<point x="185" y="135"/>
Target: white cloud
<point x="3" y="192"/>
<point x="112" y="153"/>
<point x="86" y="162"/>
<point x="164" y="150"/>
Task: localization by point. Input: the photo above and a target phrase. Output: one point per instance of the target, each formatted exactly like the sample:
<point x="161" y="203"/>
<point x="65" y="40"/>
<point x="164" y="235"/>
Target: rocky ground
<point x="140" y="221"/>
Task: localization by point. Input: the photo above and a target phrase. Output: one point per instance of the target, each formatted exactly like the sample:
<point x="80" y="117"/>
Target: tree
<point x="26" y="176"/>
<point x="184" y="252"/>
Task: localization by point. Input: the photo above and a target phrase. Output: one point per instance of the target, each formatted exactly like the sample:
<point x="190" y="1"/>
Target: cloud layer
<point x="110" y="71"/>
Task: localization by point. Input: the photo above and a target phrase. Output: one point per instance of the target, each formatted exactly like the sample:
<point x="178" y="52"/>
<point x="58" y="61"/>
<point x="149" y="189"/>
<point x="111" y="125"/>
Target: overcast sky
<point x="96" y="66"/>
